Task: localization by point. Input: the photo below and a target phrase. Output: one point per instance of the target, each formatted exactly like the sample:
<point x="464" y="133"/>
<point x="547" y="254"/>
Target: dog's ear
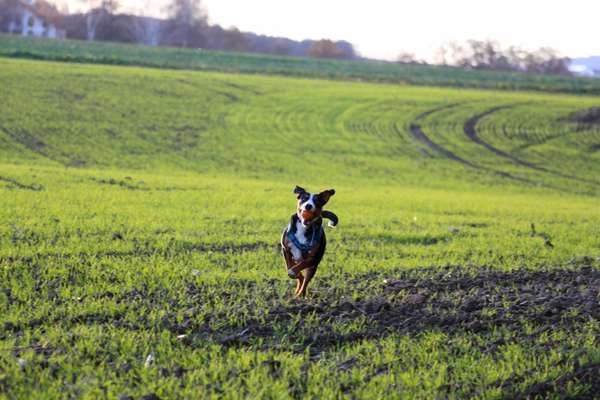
<point x="325" y="195"/>
<point x="298" y="191"/>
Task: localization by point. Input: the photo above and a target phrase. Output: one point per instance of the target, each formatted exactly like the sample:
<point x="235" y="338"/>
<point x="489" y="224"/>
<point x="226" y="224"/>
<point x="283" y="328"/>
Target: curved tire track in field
<point x="419" y="135"/>
<point x="38" y="146"/>
<point x="470" y="130"/>
<point x="16" y="184"/>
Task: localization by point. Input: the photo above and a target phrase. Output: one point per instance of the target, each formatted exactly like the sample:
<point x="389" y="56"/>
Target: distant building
<point x="31" y="18"/>
<point x="586" y="66"/>
<point x="582" y="70"/>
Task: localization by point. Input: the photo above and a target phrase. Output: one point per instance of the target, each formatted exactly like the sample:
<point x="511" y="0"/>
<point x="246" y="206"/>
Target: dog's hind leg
<point x="308" y="275"/>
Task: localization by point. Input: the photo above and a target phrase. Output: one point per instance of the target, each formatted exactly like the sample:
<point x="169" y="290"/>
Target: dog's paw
<point x="292" y="274"/>
<point x="331" y="224"/>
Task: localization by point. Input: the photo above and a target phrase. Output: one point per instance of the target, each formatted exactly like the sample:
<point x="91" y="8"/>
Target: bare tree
<point x="282" y="46"/>
<point x="448" y="53"/>
<point x="234" y="40"/>
<point x="489" y="55"/>
<point x="118" y="28"/>
<point x="408" y="58"/>
<point x="9" y="16"/>
<point x="186" y="24"/>
<point x="546" y="61"/>
<point x="325" y="48"/>
<point x="98" y="10"/>
<point x="146" y="29"/>
<point x="110" y="6"/>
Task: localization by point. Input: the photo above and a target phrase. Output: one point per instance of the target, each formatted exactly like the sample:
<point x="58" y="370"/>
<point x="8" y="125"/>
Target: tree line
<point x="185" y="24"/>
<point x="490" y="55"/>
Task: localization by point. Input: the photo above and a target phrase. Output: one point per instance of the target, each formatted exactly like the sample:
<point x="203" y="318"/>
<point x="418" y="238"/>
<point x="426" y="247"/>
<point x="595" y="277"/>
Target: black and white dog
<point x="303" y="242"/>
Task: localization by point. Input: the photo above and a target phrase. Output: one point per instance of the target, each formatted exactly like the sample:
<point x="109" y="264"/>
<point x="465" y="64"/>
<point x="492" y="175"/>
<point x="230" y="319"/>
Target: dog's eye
<point x="304" y="197"/>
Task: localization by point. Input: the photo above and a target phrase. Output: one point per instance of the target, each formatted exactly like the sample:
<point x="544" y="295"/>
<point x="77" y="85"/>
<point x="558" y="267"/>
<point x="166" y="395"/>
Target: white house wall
<point x="37" y="28"/>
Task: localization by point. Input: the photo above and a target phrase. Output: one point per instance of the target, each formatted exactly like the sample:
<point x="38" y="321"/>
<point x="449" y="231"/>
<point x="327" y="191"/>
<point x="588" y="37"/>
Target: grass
<point x="140" y="211"/>
<point x="193" y="59"/>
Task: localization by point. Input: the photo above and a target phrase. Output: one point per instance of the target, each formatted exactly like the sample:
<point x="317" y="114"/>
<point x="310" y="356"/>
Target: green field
<point x="194" y="59"/>
<point x="141" y="209"/>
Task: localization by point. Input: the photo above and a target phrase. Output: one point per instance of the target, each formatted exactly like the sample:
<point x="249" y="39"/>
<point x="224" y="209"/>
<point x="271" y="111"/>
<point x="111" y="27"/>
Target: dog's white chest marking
<point x="301" y="237"/>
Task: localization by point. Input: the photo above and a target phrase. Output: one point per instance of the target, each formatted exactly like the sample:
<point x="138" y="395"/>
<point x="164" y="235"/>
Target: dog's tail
<point x="333" y="219"/>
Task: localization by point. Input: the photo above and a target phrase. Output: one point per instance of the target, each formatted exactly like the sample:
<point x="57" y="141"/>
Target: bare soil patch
<point x="590" y="116"/>
<point x="448" y="300"/>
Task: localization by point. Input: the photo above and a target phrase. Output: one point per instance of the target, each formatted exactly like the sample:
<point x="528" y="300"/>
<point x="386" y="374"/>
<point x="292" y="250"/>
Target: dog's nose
<point x="308" y="207"/>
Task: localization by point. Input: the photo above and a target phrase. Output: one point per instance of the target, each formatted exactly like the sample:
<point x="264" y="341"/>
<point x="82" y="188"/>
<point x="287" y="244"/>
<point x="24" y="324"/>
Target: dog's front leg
<point x="289" y="266"/>
<point x="299" y="283"/>
<point x="287" y="256"/>
<point x="310" y="272"/>
<point x="300" y="266"/>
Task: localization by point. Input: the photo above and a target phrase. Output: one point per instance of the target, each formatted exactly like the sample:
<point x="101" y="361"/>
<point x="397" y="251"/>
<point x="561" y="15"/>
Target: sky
<point x="385" y="28"/>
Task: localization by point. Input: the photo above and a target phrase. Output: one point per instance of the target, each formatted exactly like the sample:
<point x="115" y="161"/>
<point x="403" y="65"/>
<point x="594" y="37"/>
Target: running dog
<point x="303" y="241"/>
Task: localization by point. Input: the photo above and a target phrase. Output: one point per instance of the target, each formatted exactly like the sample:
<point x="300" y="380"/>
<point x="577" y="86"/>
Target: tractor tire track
<point x="419" y="135"/>
<point x="41" y="148"/>
<point x="470" y="130"/>
<point x="16" y="184"/>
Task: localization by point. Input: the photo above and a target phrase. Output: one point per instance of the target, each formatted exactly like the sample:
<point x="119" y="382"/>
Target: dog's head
<point x="311" y="205"/>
